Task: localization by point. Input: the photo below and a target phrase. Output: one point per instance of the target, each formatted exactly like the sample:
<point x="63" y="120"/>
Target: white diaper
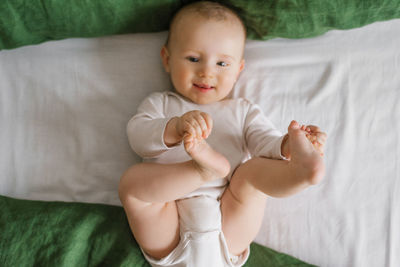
<point x="202" y="242"/>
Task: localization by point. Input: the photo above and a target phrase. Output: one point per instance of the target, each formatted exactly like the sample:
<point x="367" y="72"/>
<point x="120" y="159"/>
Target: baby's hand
<point x="316" y="137"/>
<point x="194" y="123"/>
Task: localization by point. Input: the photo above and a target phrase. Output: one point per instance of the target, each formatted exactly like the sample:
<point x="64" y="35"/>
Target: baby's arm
<point x="314" y="135"/>
<point x="145" y="129"/>
<point x="150" y="132"/>
<point x="171" y="136"/>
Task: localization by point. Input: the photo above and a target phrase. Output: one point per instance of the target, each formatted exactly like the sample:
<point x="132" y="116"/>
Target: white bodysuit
<point x="240" y="131"/>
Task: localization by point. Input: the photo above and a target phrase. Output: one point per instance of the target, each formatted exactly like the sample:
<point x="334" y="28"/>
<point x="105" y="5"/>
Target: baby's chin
<point x="202" y="100"/>
<point x="209" y="98"/>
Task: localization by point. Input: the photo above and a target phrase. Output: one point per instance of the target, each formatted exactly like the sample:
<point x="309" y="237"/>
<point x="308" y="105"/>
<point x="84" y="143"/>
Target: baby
<point x="198" y="198"/>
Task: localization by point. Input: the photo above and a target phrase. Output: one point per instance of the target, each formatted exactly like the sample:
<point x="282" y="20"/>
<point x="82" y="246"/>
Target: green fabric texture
<point x="24" y="22"/>
<point x="40" y="233"/>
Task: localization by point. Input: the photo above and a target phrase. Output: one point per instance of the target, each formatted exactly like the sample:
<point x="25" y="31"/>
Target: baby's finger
<point x="203" y="125"/>
<point x="320" y="150"/>
<point x="318" y="146"/>
<point x="188" y="141"/>
<point x="318" y="136"/>
<point x="313" y="128"/>
<point x="188" y="128"/>
<point x="306" y="129"/>
<point x="197" y="128"/>
<point x="208" y="121"/>
<point x="311" y="137"/>
<point x="321" y="136"/>
<point x="321" y="141"/>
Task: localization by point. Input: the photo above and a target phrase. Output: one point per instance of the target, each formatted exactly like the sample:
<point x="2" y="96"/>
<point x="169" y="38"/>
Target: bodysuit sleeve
<point x="145" y="130"/>
<point x="261" y="136"/>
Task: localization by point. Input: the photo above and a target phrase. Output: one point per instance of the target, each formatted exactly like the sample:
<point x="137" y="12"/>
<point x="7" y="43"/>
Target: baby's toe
<point x="294" y="125"/>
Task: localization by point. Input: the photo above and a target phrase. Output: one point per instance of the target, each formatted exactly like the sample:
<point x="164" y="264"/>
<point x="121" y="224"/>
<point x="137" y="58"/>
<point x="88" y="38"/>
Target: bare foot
<point x="210" y="164"/>
<point x="305" y="160"/>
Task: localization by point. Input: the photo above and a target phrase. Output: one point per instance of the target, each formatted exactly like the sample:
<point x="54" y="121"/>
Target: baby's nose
<point x="206" y="71"/>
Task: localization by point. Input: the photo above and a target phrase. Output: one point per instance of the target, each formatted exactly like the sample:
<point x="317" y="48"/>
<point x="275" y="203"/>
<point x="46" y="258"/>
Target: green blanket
<point x="24" y="22"/>
<point x="38" y="233"/>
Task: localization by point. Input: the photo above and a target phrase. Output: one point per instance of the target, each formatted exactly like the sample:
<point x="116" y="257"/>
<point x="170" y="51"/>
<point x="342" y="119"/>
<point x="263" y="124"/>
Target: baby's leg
<point x="148" y="192"/>
<point x="244" y="200"/>
<point x="155" y="226"/>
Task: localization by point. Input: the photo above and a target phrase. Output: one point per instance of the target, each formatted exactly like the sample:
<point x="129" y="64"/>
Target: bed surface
<point x="64" y="106"/>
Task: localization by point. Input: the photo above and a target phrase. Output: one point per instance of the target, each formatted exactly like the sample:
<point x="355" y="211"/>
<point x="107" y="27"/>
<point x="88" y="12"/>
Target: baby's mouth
<point x="203" y="86"/>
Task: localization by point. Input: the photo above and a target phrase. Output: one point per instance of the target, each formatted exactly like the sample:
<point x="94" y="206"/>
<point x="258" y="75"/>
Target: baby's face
<point x="204" y="58"/>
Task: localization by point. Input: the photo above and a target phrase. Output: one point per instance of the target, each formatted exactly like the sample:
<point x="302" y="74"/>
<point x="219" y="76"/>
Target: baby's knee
<point x="125" y="191"/>
<point x="123" y="194"/>
<point x="130" y="201"/>
<point x="127" y="183"/>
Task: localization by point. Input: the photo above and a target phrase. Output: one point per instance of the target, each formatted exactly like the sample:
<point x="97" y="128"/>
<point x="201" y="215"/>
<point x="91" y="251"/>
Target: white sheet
<point x="64" y="107"/>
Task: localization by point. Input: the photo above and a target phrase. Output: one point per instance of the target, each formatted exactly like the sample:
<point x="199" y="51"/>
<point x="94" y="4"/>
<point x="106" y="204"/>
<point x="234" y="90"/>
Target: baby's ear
<point x="165" y="58"/>
<point x="241" y="67"/>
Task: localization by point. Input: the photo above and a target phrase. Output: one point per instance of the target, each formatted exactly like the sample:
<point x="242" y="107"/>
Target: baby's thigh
<point x="154" y="225"/>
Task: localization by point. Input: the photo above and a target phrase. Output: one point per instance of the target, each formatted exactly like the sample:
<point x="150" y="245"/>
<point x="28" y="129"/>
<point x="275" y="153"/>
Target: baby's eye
<point x="193" y="59"/>
<point x="223" y="64"/>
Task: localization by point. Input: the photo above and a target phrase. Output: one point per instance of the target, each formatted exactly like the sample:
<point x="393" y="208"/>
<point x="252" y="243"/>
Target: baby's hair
<point x="208" y="10"/>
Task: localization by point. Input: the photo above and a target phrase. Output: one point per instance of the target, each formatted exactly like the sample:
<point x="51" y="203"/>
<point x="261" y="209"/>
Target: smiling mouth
<point x="203" y="87"/>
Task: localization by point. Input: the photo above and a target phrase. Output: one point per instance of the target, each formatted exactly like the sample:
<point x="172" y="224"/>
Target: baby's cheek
<point x="229" y="81"/>
<point x="181" y="81"/>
